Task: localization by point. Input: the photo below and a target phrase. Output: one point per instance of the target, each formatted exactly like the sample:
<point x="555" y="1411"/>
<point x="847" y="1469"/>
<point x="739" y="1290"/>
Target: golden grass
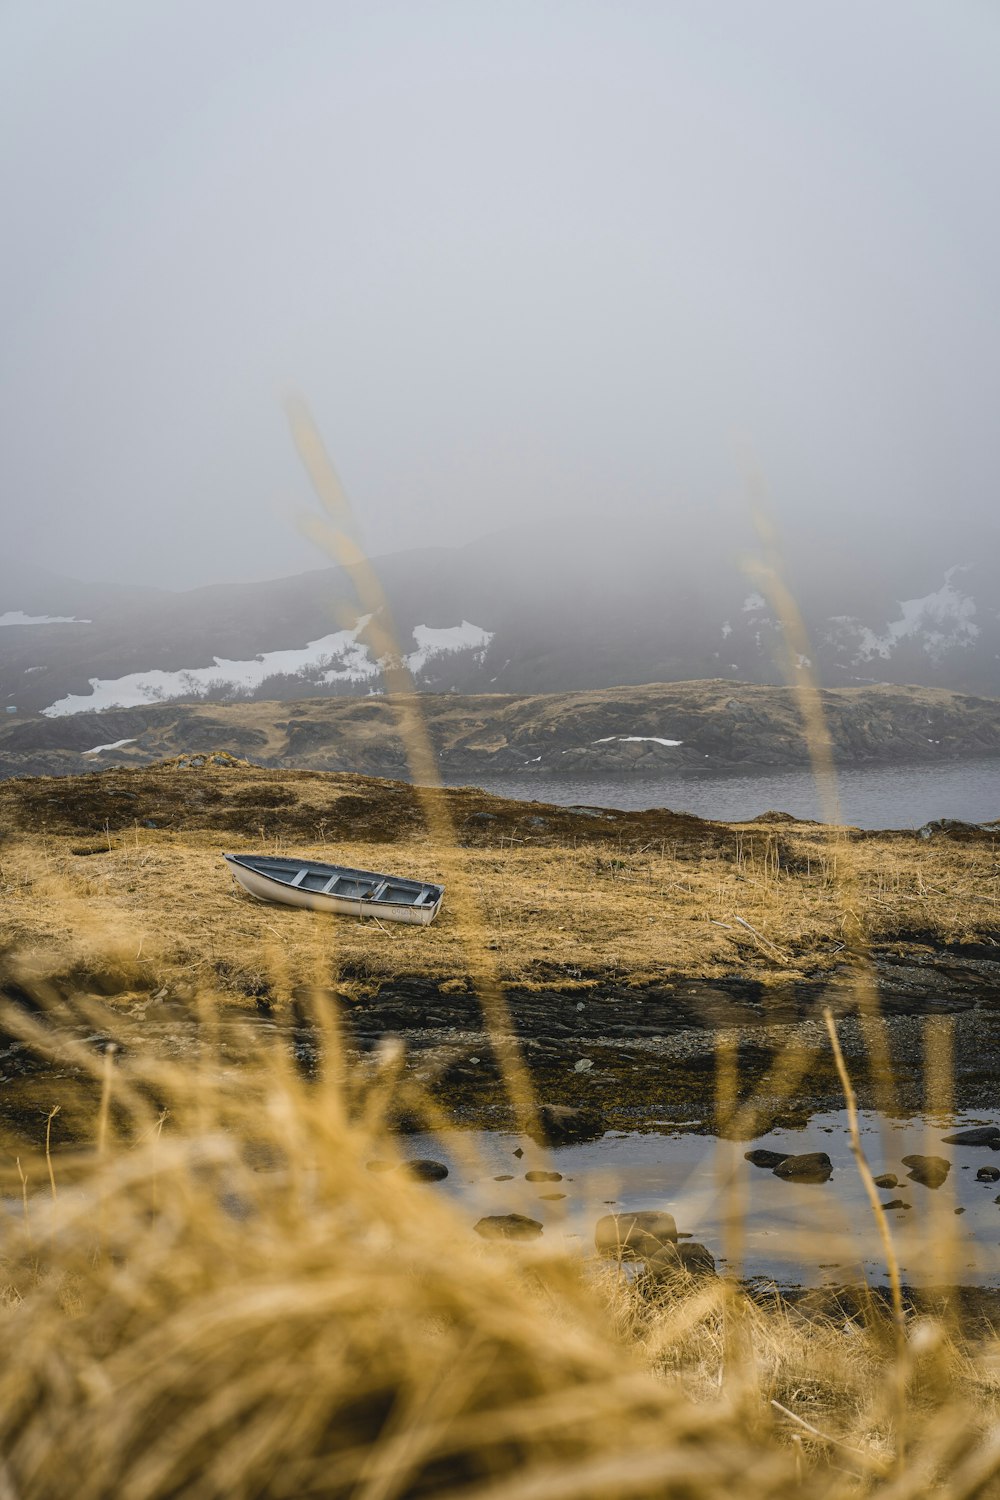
<point x="631" y="904"/>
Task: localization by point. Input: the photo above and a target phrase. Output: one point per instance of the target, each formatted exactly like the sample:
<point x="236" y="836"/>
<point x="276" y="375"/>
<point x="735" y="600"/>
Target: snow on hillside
<point x="939" y="621"/>
<point x="432" y="643"/>
<point x="18" y="617"/>
<point x="338" y="657"/>
<point x="636" y="739"/>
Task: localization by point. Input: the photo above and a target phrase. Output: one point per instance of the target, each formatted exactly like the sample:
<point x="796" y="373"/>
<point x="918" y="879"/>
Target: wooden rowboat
<point x="335" y="888"/>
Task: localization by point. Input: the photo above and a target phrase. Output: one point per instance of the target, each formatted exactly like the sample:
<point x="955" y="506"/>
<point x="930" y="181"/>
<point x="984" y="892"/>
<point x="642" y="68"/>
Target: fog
<point x="552" y="266"/>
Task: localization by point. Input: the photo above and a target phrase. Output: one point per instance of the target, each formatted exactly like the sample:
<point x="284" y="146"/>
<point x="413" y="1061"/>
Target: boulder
<point x="887" y="1180"/>
<point x="988" y="1174"/>
<point x="929" y="1171"/>
<point x="896" y="1203"/>
<point x="562" y="1124"/>
<point x="426" y="1170"/>
<point x="508" y="1227"/>
<point x="690" y="1256"/>
<point x="634" y="1236"/>
<point x="809" y="1166"/>
<point x="760" y="1157"/>
<point x="976" y="1135"/>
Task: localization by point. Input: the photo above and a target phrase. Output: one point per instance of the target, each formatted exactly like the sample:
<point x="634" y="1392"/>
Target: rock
<point x="762" y="1158"/>
<point x="809" y="1166"/>
<point x="560" y="1124"/>
<point x="890" y="1180"/>
<point x="929" y="1171"/>
<point x="518" y="1151"/>
<point x="976" y="1135"/>
<point x="988" y="1174"/>
<point x="537" y="1175"/>
<point x="426" y="1170"/>
<point x="634" y="1236"/>
<point x="670" y="1260"/>
<point x="896" y="1203"/>
<point x="504" y="1177"/>
<point x="960" y="1210"/>
<point x="508" y="1227"/>
<point x="551" y="1197"/>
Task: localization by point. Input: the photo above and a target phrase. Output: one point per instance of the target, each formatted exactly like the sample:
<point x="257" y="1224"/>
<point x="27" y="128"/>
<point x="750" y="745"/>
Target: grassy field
<point x="122" y="872"/>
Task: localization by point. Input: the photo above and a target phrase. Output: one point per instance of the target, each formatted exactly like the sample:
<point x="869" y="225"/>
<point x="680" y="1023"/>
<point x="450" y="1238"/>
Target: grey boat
<point x="336" y="888"/>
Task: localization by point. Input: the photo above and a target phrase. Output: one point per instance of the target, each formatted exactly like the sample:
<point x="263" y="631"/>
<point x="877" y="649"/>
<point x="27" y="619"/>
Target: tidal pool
<point x="755" y="1223"/>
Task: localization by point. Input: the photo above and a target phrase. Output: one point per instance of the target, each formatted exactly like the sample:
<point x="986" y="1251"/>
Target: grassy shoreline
<point x="119" y="875"/>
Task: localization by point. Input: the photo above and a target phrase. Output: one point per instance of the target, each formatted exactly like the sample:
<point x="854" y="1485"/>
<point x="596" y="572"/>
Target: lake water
<point x="754" y="1223"/>
<point x="870" y="797"/>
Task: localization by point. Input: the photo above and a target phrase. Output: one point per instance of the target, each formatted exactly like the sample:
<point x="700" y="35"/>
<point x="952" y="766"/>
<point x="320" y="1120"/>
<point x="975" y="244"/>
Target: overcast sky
<point x="524" y="260"/>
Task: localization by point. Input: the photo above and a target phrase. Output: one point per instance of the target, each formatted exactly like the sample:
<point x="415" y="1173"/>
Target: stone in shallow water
<point x="887" y="1180"/>
<point x="760" y="1157"/>
<point x="508" y="1227"/>
<point x="537" y="1175"/>
<point x="929" y="1171"/>
<point x="988" y="1174"/>
<point x="807" y="1166"/>
<point x="426" y="1170"/>
<point x="976" y="1135"/>
<point x="670" y="1260"/>
<point x="635" y="1236"/>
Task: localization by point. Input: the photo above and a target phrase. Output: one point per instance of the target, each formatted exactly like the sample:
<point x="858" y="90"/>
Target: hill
<point x="608" y="732"/>
<point x="516" y="613"/>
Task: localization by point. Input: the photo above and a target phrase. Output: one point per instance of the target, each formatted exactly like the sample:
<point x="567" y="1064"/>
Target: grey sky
<point x="523" y="259"/>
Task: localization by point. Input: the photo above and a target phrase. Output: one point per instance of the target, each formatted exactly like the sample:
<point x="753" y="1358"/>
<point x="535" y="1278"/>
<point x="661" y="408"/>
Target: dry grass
<point x="557" y="897"/>
<point x="213" y="1296"/>
<point x="222" y="1301"/>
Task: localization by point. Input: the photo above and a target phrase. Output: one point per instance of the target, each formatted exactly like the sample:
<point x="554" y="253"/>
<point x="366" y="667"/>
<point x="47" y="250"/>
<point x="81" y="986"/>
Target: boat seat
<point x="300" y="876"/>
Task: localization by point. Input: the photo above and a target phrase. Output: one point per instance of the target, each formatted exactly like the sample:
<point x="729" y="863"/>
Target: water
<point x="870" y="797"/>
<point x="795" y="1233"/>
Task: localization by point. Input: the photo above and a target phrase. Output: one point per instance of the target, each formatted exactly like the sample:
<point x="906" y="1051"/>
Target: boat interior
<point x="351" y="885"/>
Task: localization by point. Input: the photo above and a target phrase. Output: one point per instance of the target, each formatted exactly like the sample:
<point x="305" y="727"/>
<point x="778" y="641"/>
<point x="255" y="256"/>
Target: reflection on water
<point x="870" y="797"/>
<point x="754" y="1223"/>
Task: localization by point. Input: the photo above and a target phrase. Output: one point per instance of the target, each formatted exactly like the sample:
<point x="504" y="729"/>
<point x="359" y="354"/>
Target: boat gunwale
<point x="243" y="860"/>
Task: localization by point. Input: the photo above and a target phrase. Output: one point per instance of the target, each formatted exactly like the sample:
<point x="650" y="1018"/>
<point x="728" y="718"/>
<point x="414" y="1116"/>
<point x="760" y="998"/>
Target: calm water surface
<point x="753" y="1222"/>
<point x="870" y="797"/>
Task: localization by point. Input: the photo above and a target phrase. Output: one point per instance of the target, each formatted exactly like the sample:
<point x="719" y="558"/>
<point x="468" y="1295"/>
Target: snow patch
<point x="338" y="657"/>
<point x="754" y="601"/>
<point x="432" y="642"/>
<point x="939" y="622"/>
<point x="115" y="745"/>
<point x="636" y="739"/>
<point x="727" y="629"/>
<point x="18" y="617"/>
<point x="333" y="658"/>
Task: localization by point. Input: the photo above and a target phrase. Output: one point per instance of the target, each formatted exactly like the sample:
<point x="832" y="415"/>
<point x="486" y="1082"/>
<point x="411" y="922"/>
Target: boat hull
<point x="272" y="888"/>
